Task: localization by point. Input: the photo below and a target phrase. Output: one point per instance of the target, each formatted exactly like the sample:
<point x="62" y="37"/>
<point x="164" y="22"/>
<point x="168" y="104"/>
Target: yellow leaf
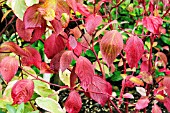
<point x="136" y="81"/>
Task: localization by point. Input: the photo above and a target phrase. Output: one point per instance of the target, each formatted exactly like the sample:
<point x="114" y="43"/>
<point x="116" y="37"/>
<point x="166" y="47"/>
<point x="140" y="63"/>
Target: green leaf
<point x="34" y="111"/>
<point x="49" y="104"/>
<point x="116" y="76"/>
<point x="20" y="108"/>
<point x="10" y="109"/>
<point x="165" y="39"/>
<point x="18" y="6"/>
<point x="31" y="2"/>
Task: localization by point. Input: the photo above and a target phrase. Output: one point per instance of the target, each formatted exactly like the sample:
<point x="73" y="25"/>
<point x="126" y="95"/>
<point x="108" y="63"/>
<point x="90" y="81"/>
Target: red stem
<point x="167" y="11"/>
<point x="115" y="106"/>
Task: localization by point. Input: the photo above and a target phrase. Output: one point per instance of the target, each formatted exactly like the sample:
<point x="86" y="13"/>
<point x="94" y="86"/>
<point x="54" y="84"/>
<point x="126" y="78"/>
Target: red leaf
<point x="167" y="84"/>
<point x="22" y="91"/>
<point x="38" y="32"/>
<point x="73" y="103"/>
<point x="78" y="49"/>
<point x="53" y="45"/>
<point x="11" y="47"/>
<point x="45" y="68"/>
<point x="32" y="18"/>
<point x="144" y="66"/>
<point x="167" y="103"/>
<point x="100" y="90"/>
<point x="82" y="9"/>
<point x="73" y="77"/>
<point x="72" y="4"/>
<point x="55" y="62"/>
<point x="111" y="45"/>
<point x="65" y="60"/>
<point x="156" y="109"/>
<point x="33" y="57"/>
<point x="76" y="32"/>
<point x="142" y="103"/>
<point x="56" y="24"/>
<point x="92" y="22"/>
<point x="25" y="34"/>
<point x="134" y="50"/>
<point x="86" y="41"/>
<point x="85" y="71"/>
<point x="8" y="68"/>
<point x="152" y="23"/>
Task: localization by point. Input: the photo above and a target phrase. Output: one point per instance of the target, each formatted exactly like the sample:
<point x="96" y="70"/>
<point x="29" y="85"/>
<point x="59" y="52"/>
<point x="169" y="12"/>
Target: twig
<point x="166" y="13"/>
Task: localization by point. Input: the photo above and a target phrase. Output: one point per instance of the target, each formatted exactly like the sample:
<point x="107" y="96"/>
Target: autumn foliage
<point x="87" y="48"/>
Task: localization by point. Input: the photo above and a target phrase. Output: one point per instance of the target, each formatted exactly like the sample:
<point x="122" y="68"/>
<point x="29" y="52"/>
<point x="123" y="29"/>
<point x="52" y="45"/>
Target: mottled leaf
<point x="73" y="103"/>
<point x="8" y="68"/>
<point x="22" y="91"/>
<point x="111" y="46"/>
<point x="146" y="77"/>
<point x="163" y="58"/>
<point x="134" y="50"/>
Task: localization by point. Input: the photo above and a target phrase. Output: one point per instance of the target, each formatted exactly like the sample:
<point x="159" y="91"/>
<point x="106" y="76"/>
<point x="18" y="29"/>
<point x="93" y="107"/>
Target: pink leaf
<point x="167" y="84"/>
<point x="22" y="91"/>
<point x="85" y="71"/>
<point x="86" y="41"/>
<point x="167" y="103"/>
<point x="152" y="23"/>
<point x="128" y="95"/>
<point x="163" y="58"/>
<point x="144" y="66"/>
<point x="53" y="45"/>
<point x="111" y="46"/>
<point x="32" y="18"/>
<point x="73" y="103"/>
<point x="33" y="57"/>
<point x="65" y="60"/>
<point x="72" y="4"/>
<point x="142" y="103"/>
<point x="82" y="9"/>
<point x="156" y="109"/>
<point x="134" y="50"/>
<point x="72" y="42"/>
<point x="25" y="34"/>
<point x="78" y="49"/>
<point x="92" y="22"/>
<point x="100" y="90"/>
<point x="73" y="77"/>
<point x="8" y="68"/>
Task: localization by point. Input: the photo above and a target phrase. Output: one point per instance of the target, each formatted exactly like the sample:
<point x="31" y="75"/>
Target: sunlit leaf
<point x="111" y="46"/>
<point x="142" y="103"/>
<point x="49" y="104"/>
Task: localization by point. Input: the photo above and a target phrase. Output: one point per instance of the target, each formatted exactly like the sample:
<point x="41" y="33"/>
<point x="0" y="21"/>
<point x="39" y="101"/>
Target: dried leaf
<point x="111" y="45"/>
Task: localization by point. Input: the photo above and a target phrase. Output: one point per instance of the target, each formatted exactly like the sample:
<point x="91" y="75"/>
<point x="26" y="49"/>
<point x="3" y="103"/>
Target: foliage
<point x="114" y="52"/>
